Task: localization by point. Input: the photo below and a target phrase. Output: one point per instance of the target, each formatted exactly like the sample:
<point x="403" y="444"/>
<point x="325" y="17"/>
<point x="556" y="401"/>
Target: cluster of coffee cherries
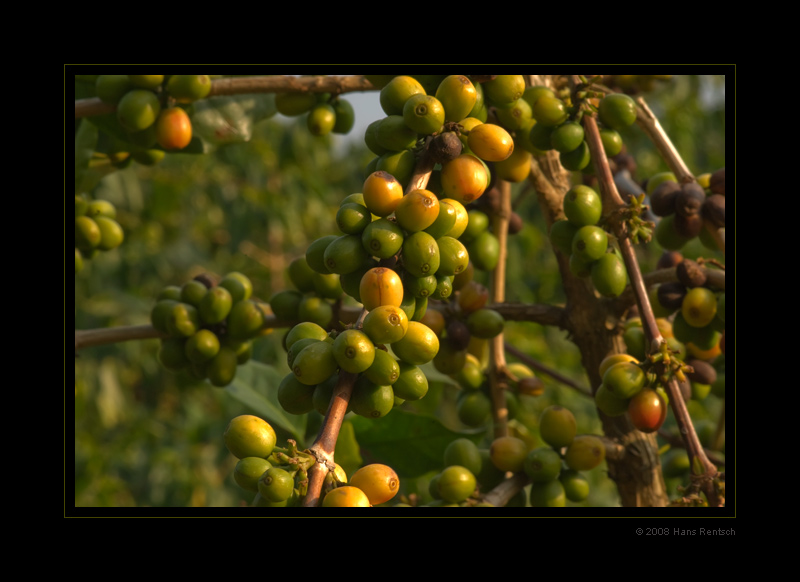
<point x="318" y="357"/>
<point x="441" y="112"/>
<point x="695" y="306"/>
<point x="556" y="125"/>
<point x="278" y="476"/>
<point x="208" y="327"/>
<point x="555" y="469"/>
<point x="371" y="485"/>
<point x="625" y="388"/>
<point x="151" y="111"/>
<point x="687" y="210"/>
<point x="96" y="229"/>
<point x="586" y="243"/>
<point x="324" y="113"/>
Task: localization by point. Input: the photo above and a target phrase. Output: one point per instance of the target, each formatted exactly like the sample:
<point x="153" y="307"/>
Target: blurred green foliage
<point x="146" y="437"/>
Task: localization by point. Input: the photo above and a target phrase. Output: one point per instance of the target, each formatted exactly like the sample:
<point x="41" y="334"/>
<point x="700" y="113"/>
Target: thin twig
<point x="244" y="85"/>
<point x="538" y="366"/>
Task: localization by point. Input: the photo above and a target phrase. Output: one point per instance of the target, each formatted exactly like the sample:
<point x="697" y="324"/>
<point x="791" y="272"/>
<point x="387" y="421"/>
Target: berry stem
<point x="325" y="444"/>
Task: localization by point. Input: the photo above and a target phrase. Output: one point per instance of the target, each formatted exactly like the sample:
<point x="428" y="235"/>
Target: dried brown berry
<point x="713" y="210"/>
<point x="458" y="334"/>
<point x="669" y="259"/>
<point x="704" y="373"/>
<point x="688" y="226"/>
<point x="691" y="274"/>
<point x="445" y="147"/>
<point x="689" y="199"/>
<point x="662" y="200"/>
<point x="717" y="182"/>
<point x="670" y="295"/>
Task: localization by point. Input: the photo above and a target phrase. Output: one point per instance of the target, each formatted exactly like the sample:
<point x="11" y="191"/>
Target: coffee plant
<point x="508" y="292"/>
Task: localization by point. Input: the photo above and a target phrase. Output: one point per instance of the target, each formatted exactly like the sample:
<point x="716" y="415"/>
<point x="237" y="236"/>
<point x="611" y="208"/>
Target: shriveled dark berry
<point x="670" y="295"/>
<point x="689" y="199"/>
<point x="515" y="223"/>
<point x="458" y="334"/>
<point x="445" y="147"/>
<point x="669" y="259"/>
<point x="206" y="280"/>
<point x="662" y="200"/>
<point x="704" y="373"/>
<point x="713" y="210"/>
<point x="690" y="273"/>
<point x="688" y="226"/>
<point x="717" y="182"/>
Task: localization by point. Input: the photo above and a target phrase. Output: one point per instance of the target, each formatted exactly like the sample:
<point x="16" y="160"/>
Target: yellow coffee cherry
<point x="464" y="178"/>
<point x="380" y="286"/>
<point x="417" y="210"/>
<point x="379" y="482"/>
<point x="516" y="167"/>
<point x="382" y="193"/>
<point x="490" y="142"/>
<point x="346" y="496"/>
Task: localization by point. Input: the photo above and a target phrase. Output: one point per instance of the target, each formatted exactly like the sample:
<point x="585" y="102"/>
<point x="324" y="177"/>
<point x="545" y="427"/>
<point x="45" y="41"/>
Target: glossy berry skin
<point x="455" y="484"/>
<point x="173" y="129"/>
<point x="386" y="324"/>
<point x="582" y="205"/>
<point x="457" y="95"/>
<point x="609" y="276"/>
<point x="542" y="464"/>
<point x="464" y="179"/>
<point x="382" y="193"/>
<point x="424" y="114"/>
<point x="381" y="286"/>
<point x="379" y="482"/>
<point x="590" y="243"/>
<point x="346" y="496"/>
<point x="417" y="210"/>
<point x="585" y="453"/>
<point x="557" y="426"/>
<point x="617" y="111"/>
<point x="249" y="436"/>
<point x="508" y="453"/>
<point x="490" y="142"/>
<point x="647" y="410"/>
<point x="138" y="109"/>
<point x="248" y="471"/>
<point x="418" y="346"/>
<point x="624" y="379"/>
<point x="276" y="484"/>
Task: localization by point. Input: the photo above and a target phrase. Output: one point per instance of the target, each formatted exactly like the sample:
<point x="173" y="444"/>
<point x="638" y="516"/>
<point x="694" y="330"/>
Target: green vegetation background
<point x="146" y="437"/>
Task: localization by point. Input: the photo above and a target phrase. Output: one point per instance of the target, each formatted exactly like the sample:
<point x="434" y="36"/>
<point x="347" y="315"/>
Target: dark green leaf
<point x="412" y="444"/>
<point x="256" y="385"/>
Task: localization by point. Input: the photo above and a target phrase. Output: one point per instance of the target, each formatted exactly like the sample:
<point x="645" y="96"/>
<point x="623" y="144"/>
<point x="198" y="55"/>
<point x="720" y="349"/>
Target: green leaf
<point x="256" y="385"/>
<point x="348" y="453"/>
<point x="412" y="444"/>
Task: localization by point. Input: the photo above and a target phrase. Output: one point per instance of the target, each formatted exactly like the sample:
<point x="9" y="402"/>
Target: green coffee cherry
<point x="248" y="471"/>
<point x="202" y="346"/>
<point x="221" y="368"/>
<point x="294" y="396"/>
<point x="353" y="351"/>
